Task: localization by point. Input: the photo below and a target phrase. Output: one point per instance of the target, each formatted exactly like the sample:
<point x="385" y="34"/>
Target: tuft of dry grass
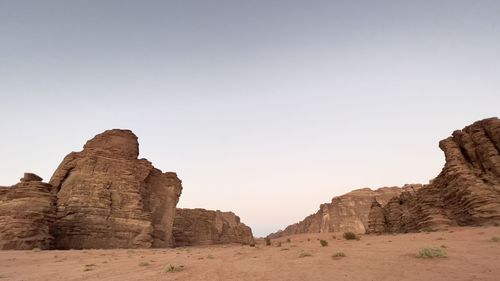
<point x="304" y="254"/>
<point x="339" y="254"/>
<point x="173" y="268"/>
<point x="89" y="267"/>
<point x="427" y="229"/>
<point x="430" y="253"/>
<point x="495" y="239"/>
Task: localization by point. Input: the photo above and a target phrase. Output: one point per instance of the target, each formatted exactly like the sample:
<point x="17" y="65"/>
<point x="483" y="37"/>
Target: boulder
<point x="206" y="227"/>
<point x="27" y="214"/>
<point x="376" y="218"/>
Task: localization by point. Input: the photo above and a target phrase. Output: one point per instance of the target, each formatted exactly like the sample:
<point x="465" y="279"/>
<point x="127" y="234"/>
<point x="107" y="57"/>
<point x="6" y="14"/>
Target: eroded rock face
<point x="27" y="214"/>
<point x="348" y="212"/>
<point x="108" y="198"/>
<point x="206" y="227"/>
<point x="466" y="192"/>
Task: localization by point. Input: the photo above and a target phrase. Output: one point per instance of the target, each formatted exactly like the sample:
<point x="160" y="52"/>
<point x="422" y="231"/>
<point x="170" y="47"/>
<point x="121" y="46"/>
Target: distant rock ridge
<point x="348" y="212"/>
<point x="466" y="192"/>
<point x="206" y="227"/>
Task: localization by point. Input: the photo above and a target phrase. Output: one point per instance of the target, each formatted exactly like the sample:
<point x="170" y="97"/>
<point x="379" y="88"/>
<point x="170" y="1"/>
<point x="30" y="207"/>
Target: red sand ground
<point x="471" y="256"/>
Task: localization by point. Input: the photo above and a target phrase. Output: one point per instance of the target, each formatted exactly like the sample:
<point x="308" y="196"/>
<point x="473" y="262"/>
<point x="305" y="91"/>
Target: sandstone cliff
<point x="27" y="213"/>
<point x="205" y="227"/>
<point x="348" y="212"/>
<point x="108" y="198"/>
<point x="466" y="192"/>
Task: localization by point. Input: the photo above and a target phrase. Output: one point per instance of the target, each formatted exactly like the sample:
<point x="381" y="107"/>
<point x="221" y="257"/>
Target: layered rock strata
<point x="27" y="214"/>
<point x="206" y="227"/>
<point x="108" y="198"/>
<point x="466" y="192"/>
<point x="348" y="212"/>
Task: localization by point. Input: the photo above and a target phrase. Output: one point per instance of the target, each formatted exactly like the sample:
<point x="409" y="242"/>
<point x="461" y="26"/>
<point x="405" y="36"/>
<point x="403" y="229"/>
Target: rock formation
<point x="108" y="198"/>
<point x="348" y="212"/>
<point x="466" y="192"/>
<point x="27" y="213"/>
<point x="105" y="197"/>
<point x="205" y="227"/>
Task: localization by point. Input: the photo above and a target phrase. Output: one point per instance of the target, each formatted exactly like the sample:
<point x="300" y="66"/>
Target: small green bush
<point x="429" y="253"/>
<point x="172" y="268"/>
<point x="323" y="243"/>
<point x="350" y="236"/>
<point x="338" y="254"/>
<point x="495" y="239"/>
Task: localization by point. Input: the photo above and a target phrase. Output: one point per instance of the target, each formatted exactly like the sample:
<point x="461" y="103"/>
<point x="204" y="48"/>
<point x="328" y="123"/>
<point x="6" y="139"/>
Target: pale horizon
<point x="266" y="109"/>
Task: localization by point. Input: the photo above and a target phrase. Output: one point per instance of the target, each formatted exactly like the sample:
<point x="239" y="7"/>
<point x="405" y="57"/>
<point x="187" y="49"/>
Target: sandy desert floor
<point x="472" y="255"/>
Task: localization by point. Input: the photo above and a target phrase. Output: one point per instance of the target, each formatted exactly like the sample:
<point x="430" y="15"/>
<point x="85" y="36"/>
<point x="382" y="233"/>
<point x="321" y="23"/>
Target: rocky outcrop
<point x="27" y="214"/>
<point x="108" y="198"/>
<point x="348" y="212"/>
<point x="206" y="227"/>
<point x="376" y="218"/>
<point x="466" y="192"/>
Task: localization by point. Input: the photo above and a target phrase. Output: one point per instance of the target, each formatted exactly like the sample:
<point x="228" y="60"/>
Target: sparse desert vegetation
<point x="375" y="256"/>
<point x="432" y="252"/>
<point x="338" y="254"/>
<point x="427" y="229"/>
<point x="304" y="254"/>
<point x="174" y="268"/>
<point x="495" y="239"/>
<point x="349" y="235"/>
<point x="323" y="243"/>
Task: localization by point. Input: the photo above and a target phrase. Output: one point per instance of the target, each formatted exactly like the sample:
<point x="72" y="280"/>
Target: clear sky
<point x="266" y="108"/>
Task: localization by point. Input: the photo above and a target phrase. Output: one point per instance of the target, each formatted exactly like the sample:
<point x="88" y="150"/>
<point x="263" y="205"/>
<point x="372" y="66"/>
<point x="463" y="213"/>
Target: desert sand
<point x="472" y="255"/>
